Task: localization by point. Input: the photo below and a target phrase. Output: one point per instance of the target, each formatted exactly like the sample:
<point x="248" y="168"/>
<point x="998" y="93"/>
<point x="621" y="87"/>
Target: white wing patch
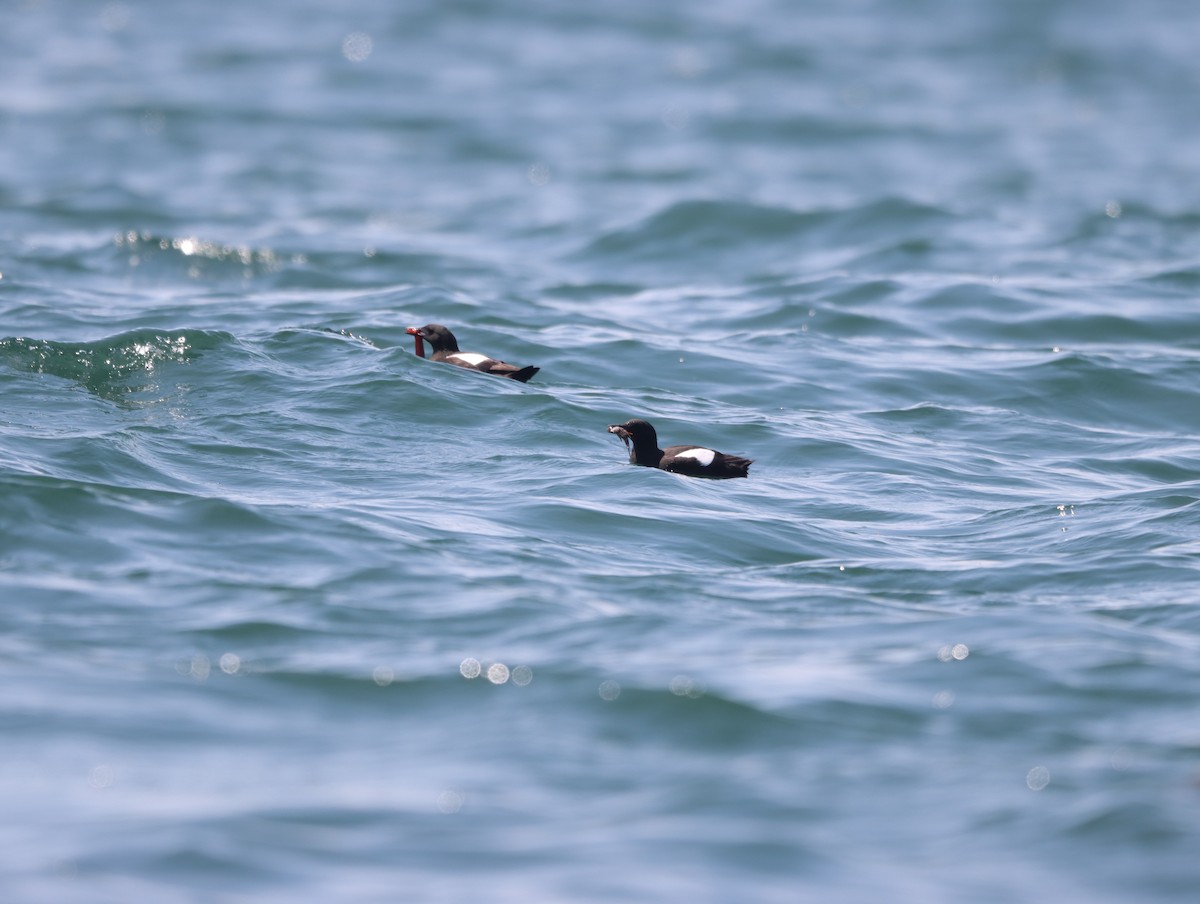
<point x="704" y="456"/>
<point x="469" y="358"/>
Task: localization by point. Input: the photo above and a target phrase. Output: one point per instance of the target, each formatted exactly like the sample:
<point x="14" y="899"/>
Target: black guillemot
<point x="445" y="348"/>
<point x="695" y="461"/>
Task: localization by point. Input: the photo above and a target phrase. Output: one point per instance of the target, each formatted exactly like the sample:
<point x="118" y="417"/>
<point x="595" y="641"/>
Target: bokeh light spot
<point x="450" y="801"/>
<point x="470" y="668"/>
<point x="609" y="690"/>
<point x="683" y="686"/>
<point x="383" y="676"/>
<point x="1038" y="778"/>
<point x="357" y="46"/>
<point x="943" y="699"/>
<point x="497" y="673"/>
<point x="522" y="675"/>
<point x="958" y="651"/>
<point x="153" y="122"/>
<point x="102" y="776"/>
<point x="200" y="667"/>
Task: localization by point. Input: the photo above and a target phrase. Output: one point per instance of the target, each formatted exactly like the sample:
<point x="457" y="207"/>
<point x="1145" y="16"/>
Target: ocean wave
<point x="115" y="367"/>
<point x="732" y="239"/>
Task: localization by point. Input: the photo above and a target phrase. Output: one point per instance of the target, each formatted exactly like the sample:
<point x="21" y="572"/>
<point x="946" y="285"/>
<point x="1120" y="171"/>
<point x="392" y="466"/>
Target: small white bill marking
<point x="704" y="456"/>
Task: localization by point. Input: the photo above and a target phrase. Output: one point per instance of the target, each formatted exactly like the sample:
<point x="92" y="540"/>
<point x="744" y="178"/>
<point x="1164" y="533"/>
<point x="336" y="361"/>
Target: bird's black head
<point x="439" y="338"/>
<point x="637" y="431"/>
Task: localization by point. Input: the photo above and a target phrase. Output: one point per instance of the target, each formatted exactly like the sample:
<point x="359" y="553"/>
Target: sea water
<point x="288" y="613"/>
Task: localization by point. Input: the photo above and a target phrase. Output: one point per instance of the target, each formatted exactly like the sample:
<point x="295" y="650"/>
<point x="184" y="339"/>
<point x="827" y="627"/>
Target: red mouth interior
<point x="418" y="343"/>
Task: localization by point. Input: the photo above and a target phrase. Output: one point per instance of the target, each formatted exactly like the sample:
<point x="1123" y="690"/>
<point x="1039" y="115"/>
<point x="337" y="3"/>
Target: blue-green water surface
<point x="288" y="613"/>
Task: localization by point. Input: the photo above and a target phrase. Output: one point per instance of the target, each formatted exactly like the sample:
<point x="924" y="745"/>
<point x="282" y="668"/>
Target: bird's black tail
<point x="523" y="375"/>
<point x="740" y="465"/>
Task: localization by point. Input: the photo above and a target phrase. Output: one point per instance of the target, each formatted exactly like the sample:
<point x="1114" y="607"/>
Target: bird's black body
<point x="445" y="349"/>
<point x="694" y="461"/>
